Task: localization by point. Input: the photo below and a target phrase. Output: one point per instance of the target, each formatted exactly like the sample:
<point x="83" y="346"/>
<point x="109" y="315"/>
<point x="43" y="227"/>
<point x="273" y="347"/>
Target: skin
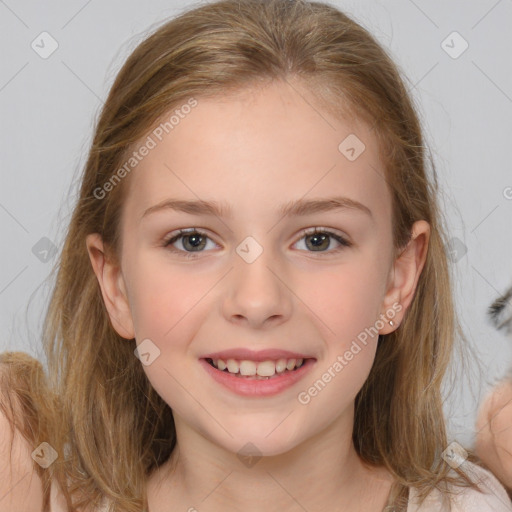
<point x="493" y="440"/>
<point x="257" y="150"/>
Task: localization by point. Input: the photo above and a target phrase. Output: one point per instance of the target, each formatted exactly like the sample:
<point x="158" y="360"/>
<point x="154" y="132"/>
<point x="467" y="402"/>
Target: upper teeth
<point x="262" y="368"/>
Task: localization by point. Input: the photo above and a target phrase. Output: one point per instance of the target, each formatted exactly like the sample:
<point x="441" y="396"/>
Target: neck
<point x="325" y="469"/>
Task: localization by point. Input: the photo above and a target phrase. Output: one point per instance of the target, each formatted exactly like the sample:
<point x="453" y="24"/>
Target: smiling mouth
<point x="261" y="370"/>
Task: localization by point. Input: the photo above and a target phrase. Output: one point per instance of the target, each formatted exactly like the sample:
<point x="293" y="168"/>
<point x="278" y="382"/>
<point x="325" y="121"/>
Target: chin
<point x="262" y="448"/>
<point x="257" y="443"/>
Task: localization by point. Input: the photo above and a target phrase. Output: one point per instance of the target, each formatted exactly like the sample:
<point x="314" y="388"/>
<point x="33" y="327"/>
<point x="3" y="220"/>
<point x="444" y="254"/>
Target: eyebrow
<point x="299" y="207"/>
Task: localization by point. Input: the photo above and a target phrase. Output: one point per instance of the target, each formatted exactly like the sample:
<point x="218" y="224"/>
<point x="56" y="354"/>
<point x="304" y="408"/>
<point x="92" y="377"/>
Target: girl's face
<point x="251" y="279"/>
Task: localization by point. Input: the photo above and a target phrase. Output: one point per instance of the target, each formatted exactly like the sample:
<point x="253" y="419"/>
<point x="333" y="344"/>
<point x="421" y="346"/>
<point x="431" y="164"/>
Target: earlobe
<point x="113" y="288"/>
<point x="405" y="274"/>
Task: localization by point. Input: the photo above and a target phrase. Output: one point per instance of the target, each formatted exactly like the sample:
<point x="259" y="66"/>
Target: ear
<point x="404" y="276"/>
<point x="113" y="287"/>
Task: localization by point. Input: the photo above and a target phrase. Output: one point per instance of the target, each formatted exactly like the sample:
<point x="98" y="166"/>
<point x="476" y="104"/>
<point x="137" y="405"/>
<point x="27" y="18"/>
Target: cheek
<point x="347" y="299"/>
<point x="161" y="297"/>
<point x="348" y="302"/>
<point x="166" y="307"/>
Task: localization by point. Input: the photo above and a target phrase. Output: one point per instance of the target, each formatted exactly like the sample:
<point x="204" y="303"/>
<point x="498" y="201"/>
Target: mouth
<point x="258" y="370"/>
<point x="257" y="379"/>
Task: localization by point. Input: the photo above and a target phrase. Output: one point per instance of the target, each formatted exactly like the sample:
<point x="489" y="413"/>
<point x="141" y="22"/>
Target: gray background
<point x="48" y="108"/>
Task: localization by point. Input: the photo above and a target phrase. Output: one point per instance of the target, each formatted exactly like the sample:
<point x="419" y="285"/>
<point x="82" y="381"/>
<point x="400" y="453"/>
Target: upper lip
<point x="242" y="354"/>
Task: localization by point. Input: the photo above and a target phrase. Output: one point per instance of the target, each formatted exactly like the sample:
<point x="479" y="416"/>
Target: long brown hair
<point x="112" y="426"/>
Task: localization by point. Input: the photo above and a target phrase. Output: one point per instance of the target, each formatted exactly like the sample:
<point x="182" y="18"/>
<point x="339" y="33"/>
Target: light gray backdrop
<point x="59" y="59"/>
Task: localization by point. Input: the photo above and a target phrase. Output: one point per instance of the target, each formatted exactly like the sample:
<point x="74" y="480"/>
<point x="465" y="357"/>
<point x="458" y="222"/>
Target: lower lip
<point x="256" y="387"/>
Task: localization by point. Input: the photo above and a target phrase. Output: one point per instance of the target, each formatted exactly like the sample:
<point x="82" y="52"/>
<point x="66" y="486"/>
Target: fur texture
<point x="500" y="312"/>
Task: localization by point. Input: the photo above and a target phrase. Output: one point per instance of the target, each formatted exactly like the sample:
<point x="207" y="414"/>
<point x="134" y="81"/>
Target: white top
<point x="493" y="499"/>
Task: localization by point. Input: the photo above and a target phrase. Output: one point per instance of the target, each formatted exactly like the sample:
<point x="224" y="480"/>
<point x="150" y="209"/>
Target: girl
<point x="252" y="308"/>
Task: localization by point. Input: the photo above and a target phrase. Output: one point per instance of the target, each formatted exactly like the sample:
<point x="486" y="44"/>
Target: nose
<point x="257" y="293"/>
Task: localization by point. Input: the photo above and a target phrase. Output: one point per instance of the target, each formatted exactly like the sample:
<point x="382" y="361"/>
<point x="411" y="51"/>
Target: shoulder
<point x="20" y="487"/>
<point x="493" y="497"/>
<point x="493" y="442"/>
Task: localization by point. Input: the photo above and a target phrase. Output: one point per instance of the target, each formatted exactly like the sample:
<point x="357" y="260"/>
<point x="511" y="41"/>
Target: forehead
<point x="256" y="149"/>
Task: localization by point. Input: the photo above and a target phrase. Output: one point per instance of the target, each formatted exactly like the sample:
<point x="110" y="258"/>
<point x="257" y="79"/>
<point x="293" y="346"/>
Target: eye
<point x="194" y="241"/>
<point x="320" y="240"/>
<point x="191" y="239"/>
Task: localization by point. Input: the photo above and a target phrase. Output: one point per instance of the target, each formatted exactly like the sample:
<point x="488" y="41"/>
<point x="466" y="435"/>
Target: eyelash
<point x="307" y="232"/>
